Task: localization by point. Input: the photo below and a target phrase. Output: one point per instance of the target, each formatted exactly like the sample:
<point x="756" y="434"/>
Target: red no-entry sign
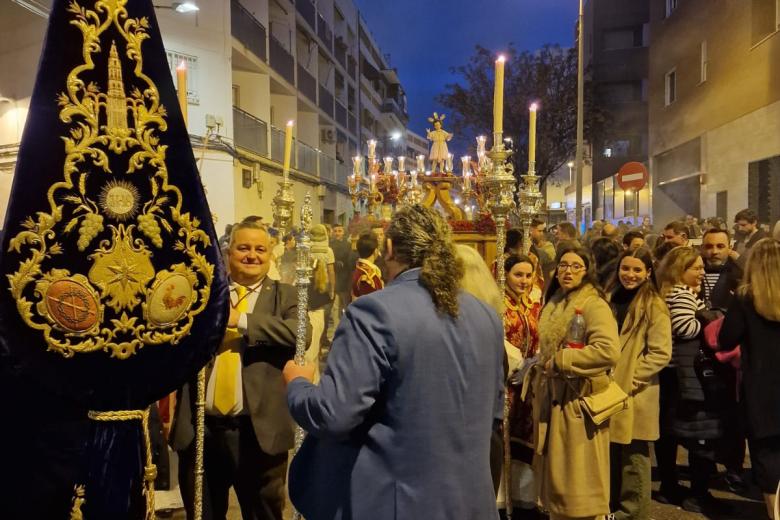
<point x="632" y="176"/>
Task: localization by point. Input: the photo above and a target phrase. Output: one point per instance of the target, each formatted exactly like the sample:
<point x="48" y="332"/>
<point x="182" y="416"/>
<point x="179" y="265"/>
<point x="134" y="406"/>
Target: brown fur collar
<point x="556" y="316"/>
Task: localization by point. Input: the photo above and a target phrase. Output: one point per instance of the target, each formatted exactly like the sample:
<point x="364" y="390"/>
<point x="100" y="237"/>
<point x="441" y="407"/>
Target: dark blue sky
<point x="426" y="37"/>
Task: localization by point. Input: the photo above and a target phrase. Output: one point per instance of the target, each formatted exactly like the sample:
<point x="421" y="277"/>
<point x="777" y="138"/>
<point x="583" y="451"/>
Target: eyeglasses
<point x="574" y="268"/>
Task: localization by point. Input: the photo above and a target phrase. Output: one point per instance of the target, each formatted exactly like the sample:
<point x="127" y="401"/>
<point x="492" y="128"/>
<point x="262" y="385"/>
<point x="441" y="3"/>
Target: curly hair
<point x="422" y="238"/>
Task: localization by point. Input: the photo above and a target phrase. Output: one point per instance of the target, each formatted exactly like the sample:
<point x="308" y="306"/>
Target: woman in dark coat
<point x="753" y="321"/>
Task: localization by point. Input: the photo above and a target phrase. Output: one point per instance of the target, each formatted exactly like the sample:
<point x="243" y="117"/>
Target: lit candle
<point x="449" y="162"/>
<point x="421" y="163"/>
<point x="400" y="178"/>
<point x="388" y="165"/>
<point x="401" y="160"/>
<point x="413" y="175"/>
<point x="372" y="184"/>
<point x="466" y="160"/>
<point x="287" y="149"/>
<point x="371" y="150"/>
<point x="356" y="161"/>
<point x="498" y="97"/>
<point x="532" y="136"/>
<point x="181" y="86"/>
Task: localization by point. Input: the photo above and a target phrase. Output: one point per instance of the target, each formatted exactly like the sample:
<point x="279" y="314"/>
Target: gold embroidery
<point x="76" y="503"/>
<point x="109" y="129"/>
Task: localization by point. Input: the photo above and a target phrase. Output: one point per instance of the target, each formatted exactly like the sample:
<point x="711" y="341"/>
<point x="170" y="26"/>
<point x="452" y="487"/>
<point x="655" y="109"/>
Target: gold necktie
<point x="229" y="361"/>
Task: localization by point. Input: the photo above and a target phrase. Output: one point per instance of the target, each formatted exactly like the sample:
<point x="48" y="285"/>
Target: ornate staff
<point x="500" y="188"/>
<point x="303" y="271"/>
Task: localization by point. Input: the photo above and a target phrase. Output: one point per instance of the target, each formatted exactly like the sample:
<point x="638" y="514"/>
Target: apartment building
<point x="714" y="108"/>
<point x="616" y="53"/>
<point x="252" y="66"/>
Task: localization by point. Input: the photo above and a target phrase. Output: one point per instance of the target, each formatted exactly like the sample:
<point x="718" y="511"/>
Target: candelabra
<point x="499" y="197"/>
<point x="303" y="270"/>
<point x="362" y="189"/>
<point x="411" y="193"/>
<point x="529" y="200"/>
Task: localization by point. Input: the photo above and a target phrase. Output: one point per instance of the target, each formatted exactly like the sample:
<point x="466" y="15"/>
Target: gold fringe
<point x="150" y="470"/>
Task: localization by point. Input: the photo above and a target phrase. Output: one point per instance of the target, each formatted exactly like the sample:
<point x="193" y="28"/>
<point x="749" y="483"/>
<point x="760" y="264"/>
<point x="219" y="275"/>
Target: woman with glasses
<point x="645" y="349"/>
<point x="686" y="416"/>
<point x="571" y="451"/>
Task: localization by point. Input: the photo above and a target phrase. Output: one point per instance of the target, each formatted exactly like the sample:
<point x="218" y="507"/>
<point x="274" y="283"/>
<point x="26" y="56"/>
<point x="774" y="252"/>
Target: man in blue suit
<point x="400" y="424"/>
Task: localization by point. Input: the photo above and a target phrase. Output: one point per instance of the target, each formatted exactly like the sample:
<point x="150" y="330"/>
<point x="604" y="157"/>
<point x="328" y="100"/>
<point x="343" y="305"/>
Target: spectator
<point x="686" y="416"/>
<point x="366" y="278"/>
<point x="646" y="348"/>
<point x="722" y="276"/>
<point x="610" y="231"/>
<point x="378" y="230"/>
<point x="567" y="232"/>
<point x="288" y="260"/>
<point x="321" y="291"/>
<point x="544" y="249"/>
<point x="605" y="254"/>
<point x="572" y="452"/>
<point x="692" y="223"/>
<point x="633" y="240"/>
<point x="411" y="392"/>
<point x="676" y="233"/>
<point x="748" y="231"/>
<point x="753" y="322"/>
<point x="345" y="264"/>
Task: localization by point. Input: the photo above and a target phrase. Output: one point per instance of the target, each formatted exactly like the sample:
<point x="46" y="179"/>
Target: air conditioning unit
<point x="328" y="135"/>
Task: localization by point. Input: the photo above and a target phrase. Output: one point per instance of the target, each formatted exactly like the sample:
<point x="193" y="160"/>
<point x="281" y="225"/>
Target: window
<point x="174" y="60"/>
<point x="624" y="38"/>
<point x="622" y="92"/>
<point x="671" y="5"/>
<point x="236" y="96"/>
<point x="703" y="60"/>
<point x="765" y="19"/>
<point x="671" y="87"/>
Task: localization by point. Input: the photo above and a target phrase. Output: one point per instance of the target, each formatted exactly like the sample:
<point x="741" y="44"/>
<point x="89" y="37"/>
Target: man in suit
<point x="400" y="424"/>
<point x="248" y="426"/>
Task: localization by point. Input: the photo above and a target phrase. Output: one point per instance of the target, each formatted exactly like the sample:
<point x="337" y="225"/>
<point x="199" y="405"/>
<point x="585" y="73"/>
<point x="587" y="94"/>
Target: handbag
<point x="602" y="405"/>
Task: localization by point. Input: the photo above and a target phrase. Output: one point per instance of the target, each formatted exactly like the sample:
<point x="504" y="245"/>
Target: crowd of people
<point x="615" y="344"/>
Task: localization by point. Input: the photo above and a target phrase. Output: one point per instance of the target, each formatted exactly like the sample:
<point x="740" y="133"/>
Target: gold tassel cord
<point x="150" y="470"/>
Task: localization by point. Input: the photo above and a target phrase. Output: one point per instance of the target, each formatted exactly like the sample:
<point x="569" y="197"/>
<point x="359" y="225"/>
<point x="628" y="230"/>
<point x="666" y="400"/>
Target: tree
<point x="547" y="76"/>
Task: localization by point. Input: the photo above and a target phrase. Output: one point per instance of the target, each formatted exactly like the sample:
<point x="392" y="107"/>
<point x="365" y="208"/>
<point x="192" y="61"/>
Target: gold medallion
<point x="170" y="297"/>
<point x="119" y="200"/>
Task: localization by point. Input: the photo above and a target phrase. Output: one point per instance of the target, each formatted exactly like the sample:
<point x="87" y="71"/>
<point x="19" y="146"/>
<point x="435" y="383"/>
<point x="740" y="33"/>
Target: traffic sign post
<point x="631" y="178"/>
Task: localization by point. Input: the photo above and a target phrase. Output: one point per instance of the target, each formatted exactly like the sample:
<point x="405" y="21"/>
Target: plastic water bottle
<point x="575" y="338"/>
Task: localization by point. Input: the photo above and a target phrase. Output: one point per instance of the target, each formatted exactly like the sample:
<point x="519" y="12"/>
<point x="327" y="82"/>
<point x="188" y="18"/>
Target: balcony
<point x="390" y="106"/>
<point x="342" y="173"/>
<point x="324" y="32"/>
<point x="352" y="68"/>
<point x="340" y="51"/>
<point x="308" y="11"/>
<point x="327" y="168"/>
<point x="341" y="114"/>
<point x="250" y="132"/>
<point x="282" y="61"/>
<point x="351" y="123"/>
<point x="306" y="158"/>
<point x="307" y="84"/>
<point x="247" y="30"/>
<point x="326" y="101"/>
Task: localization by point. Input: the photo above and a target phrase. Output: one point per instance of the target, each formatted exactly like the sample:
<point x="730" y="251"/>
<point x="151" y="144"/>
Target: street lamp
<point x="180" y="7"/>
<point x="570" y="164"/>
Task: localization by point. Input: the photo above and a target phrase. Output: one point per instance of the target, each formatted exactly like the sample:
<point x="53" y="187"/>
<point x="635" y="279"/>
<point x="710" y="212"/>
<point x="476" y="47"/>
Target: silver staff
<point x="303" y="271"/>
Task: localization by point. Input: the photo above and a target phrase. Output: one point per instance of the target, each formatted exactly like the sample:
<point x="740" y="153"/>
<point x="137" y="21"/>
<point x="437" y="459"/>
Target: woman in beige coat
<point x="645" y="349"/>
<point x="571" y="452"/>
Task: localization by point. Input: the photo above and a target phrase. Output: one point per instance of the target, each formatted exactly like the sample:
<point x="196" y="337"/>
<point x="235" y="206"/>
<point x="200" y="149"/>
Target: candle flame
<point x="182" y="65"/>
<point x="534" y="106"/>
<point x="501" y="58"/>
<point x="290" y="122"/>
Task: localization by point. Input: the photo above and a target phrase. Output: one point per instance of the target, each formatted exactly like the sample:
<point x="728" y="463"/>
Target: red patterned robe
<point x="521" y="326"/>
<point x="366" y="278"/>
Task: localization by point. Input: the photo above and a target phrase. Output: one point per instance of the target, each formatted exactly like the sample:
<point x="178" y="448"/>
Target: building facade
<point x="616" y="59"/>
<point x="252" y="66"/>
<point x="714" y="108"/>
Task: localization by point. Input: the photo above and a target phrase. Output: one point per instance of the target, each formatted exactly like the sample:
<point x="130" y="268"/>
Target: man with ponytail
<point x="400" y="423"/>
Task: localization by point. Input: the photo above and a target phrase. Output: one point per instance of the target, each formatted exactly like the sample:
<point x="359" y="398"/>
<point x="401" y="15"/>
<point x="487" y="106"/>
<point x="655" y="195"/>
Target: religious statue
<point x="439" y="152"/>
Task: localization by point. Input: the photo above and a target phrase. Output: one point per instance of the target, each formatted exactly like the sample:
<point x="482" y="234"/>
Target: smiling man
<point x="248" y="427"/>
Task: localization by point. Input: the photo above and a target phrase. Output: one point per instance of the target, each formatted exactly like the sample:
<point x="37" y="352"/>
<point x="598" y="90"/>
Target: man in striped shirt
<point x="722" y="273"/>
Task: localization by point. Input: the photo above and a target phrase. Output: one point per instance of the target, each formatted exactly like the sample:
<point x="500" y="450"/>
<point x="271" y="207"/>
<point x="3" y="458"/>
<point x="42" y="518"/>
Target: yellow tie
<point x="229" y="361"/>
